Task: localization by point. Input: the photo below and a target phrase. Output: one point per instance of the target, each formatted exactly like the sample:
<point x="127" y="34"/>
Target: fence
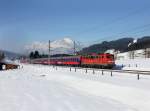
<point x="135" y="72"/>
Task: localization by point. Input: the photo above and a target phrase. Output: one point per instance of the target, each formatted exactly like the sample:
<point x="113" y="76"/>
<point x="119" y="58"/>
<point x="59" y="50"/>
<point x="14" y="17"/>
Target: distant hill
<point x="141" y="43"/>
<point x="10" y="55"/>
<point x="120" y="44"/>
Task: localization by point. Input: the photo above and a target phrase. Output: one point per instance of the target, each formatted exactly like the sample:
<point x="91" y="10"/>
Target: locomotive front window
<point x="110" y="56"/>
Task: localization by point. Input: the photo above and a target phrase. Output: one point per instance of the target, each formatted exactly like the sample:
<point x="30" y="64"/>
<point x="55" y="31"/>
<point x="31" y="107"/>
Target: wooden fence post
<point x="136" y="65"/>
<point x="85" y="70"/>
<point x="138" y="76"/>
<point x="102" y="72"/>
<point x="93" y="71"/>
<point x="111" y="73"/>
<point x="70" y="69"/>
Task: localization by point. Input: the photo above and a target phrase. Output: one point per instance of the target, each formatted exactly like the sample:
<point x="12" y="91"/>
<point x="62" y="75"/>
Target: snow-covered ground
<point x="43" y="88"/>
<point x="135" y="64"/>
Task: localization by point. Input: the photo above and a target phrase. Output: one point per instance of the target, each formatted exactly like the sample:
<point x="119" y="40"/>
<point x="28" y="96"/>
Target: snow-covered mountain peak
<point x="64" y="45"/>
<point x="68" y="40"/>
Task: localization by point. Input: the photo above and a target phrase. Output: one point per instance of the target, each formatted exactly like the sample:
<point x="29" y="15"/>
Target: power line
<point x="124" y="32"/>
<point x="113" y="21"/>
<point x="142" y="31"/>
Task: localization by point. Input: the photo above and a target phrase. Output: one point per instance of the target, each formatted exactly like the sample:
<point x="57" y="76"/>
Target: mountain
<point x="142" y="43"/>
<point x="10" y="55"/>
<point x="122" y="45"/>
<point x="62" y="46"/>
<point x="66" y="46"/>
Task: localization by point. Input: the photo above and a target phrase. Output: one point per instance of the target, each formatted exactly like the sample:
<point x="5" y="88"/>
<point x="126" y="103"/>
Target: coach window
<point x="92" y="57"/>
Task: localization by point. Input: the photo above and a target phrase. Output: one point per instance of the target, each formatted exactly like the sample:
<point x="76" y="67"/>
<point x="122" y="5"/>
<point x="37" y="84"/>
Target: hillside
<point x="141" y="43"/>
<point x="120" y="44"/>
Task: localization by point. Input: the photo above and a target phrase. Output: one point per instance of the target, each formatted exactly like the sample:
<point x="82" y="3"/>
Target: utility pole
<point x="74" y="47"/>
<point x="49" y="52"/>
<point x="145" y="52"/>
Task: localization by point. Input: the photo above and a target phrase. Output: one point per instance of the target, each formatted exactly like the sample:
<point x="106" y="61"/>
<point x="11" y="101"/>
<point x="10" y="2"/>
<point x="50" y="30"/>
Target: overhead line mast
<point x="49" y="52"/>
<point x="74" y="47"/>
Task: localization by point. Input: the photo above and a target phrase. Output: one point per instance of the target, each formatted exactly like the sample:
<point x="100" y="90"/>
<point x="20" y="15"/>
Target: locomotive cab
<point x="100" y="61"/>
<point x="109" y="58"/>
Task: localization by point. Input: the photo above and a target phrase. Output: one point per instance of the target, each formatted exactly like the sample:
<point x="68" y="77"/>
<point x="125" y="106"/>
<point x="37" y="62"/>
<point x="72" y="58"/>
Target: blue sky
<point x="87" y="21"/>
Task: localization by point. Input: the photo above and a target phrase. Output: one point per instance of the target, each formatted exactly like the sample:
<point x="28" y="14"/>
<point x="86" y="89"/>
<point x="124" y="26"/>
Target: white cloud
<point x="59" y="46"/>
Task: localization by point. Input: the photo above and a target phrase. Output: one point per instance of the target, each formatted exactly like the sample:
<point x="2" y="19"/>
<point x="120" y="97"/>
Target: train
<point x="104" y="60"/>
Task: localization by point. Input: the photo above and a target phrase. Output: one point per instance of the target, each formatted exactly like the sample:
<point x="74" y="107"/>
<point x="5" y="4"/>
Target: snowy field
<point x="43" y="88"/>
<point x="135" y="64"/>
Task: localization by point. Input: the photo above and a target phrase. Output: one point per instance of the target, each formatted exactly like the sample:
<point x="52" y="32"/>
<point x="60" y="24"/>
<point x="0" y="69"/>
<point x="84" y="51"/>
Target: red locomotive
<point x="99" y="61"/>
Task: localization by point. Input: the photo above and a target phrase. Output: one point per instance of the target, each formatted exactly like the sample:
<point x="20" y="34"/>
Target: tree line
<point x="36" y="54"/>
